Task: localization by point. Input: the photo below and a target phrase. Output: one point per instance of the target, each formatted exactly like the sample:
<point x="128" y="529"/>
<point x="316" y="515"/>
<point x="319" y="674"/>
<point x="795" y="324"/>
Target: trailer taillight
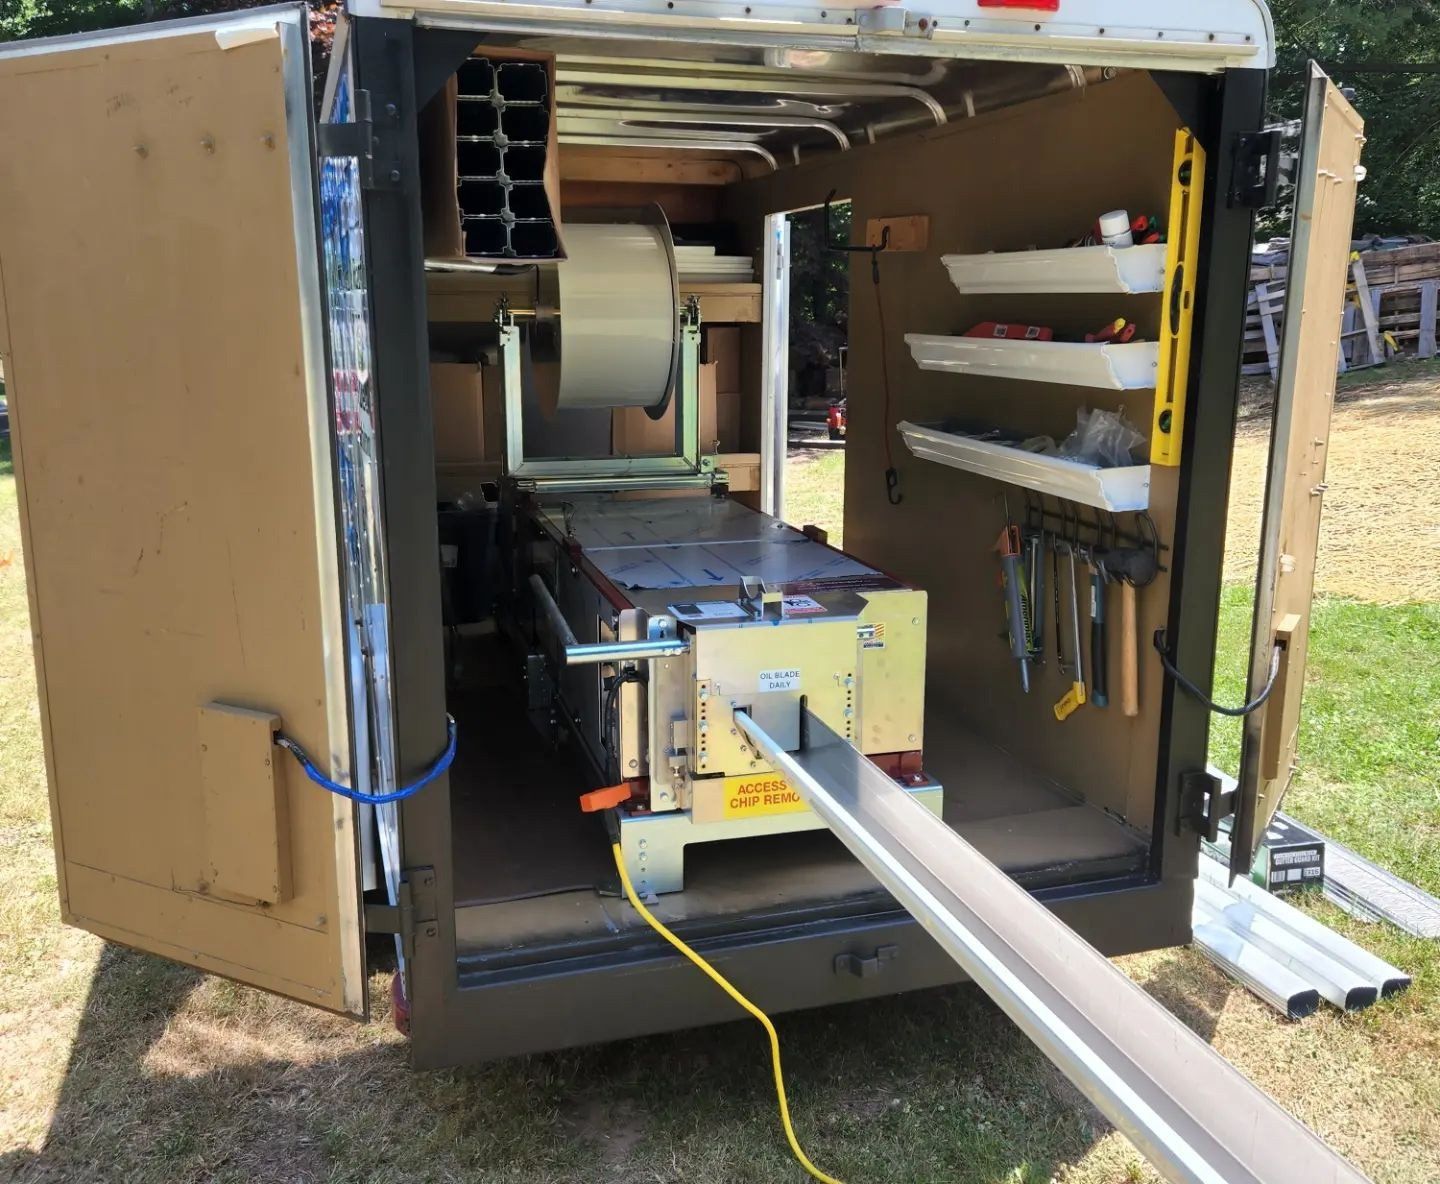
<point x="1036" y="5"/>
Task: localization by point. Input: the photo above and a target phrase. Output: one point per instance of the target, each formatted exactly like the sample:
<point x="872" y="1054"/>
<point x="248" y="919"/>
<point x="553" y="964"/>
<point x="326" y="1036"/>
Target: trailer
<point x="401" y="480"/>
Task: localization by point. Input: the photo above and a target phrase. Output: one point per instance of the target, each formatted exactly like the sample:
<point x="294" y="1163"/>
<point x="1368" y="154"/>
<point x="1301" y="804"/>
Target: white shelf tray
<point x="1114" y="367"/>
<point x="1120" y="489"/>
<point x="1067" y="269"/>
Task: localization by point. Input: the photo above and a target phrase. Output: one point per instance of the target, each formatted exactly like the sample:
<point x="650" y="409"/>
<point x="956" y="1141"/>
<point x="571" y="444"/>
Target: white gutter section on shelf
<point x="1120" y="489"/>
<point x="1067" y="269"/>
<point x="1191" y="1113"/>
<point x="1112" y="367"/>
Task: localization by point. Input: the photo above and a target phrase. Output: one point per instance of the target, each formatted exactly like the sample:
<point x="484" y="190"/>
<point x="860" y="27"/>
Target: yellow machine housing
<point x="770" y="618"/>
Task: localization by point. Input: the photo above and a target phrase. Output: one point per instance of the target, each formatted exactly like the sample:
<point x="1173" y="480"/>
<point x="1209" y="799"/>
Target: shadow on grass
<point x="177" y="1077"/>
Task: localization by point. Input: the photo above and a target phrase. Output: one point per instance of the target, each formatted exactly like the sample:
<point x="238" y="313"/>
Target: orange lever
<point x="604" y="799"/>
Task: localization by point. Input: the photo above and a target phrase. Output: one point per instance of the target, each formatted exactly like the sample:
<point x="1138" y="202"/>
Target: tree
<point x="819" y="296"/>
<point x="52" y="18"/>
<point x="1389" y="53"/>
<point x="40" y="18"/>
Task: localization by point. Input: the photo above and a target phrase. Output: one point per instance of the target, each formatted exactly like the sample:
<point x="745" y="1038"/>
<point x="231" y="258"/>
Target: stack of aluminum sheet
<point x="701" y="264"/>
<point x="1372" y="894"/>
<point x="684" y="543"/>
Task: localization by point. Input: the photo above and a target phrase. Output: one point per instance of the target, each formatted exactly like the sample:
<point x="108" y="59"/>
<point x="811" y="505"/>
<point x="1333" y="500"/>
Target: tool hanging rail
<point x="1195" y="1116"/>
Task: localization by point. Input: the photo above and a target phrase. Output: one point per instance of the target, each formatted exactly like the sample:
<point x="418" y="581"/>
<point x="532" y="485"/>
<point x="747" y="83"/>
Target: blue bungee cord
<point x="442" y="763"/>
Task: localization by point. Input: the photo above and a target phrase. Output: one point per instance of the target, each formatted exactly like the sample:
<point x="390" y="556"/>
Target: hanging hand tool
<point x="1075" y="696"/>
<point x="1145" y="229"/>
<point x="1099" y="674"/>
<point x="1134" y="567"/>
<point x="1035" y="573"/>
<point x="1060" y="663"/>
<point x="1117" y="332"/>
<point x="1012" y="583"/>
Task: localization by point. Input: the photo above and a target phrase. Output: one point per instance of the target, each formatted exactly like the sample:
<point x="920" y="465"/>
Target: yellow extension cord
<point x="724" y="984"/>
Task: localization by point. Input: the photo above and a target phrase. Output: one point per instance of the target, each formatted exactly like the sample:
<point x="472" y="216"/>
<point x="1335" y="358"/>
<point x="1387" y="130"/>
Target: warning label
<point x="767" y="793"/>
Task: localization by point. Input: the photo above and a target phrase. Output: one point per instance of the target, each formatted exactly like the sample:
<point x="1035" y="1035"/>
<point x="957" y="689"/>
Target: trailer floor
<point x="532" y="871"/>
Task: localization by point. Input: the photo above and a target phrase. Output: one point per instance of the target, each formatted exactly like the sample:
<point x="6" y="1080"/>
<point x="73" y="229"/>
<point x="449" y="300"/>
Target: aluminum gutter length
<point x="1336" y="981"/>
<point x="1277" y="985"/>
<point x="1386" y="979"/>
<point x="1188" y="1110"/>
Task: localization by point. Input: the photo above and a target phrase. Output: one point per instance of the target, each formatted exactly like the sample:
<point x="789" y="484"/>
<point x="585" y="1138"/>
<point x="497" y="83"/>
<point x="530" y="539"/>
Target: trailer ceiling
<point x="768" y="107"/>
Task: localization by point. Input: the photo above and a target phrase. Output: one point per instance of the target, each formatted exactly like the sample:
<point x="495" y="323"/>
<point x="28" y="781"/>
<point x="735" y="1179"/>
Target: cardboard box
<point x="444" y="235"/>
<point x="743" y="469"/>
<point x="469" y="426"/>
<point x="727" y="420"/>
<point x="457" y="406"/>
<point x="1290" y="857"/>
<point x="633" y="433"/>
<point x="722" y="346"/>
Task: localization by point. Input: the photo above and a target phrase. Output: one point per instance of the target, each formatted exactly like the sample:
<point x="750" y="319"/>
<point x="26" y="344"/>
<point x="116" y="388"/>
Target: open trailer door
<point x="162" y="327"/>
<point x="1324" y="212"/>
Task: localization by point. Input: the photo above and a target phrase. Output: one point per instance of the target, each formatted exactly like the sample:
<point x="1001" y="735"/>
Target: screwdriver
<point x="1074" y="698"/>
<point x="1099" y="680"/>
<point x="1017" y="619"/>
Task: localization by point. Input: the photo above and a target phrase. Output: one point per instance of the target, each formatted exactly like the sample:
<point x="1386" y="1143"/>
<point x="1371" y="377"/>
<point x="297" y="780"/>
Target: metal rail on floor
<point x="1186" y="1108"/>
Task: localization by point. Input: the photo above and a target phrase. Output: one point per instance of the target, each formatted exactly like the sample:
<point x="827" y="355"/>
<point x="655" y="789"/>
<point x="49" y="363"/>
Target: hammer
<point x="1134" y="567"/>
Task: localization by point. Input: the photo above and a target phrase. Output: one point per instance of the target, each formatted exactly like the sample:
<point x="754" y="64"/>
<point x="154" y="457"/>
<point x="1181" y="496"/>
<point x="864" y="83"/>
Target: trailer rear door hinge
<point x="372" y="145"/>
<point x="1203" y="805"/>
<point x="414" y="907"/>
<point x="1260" y="164"/>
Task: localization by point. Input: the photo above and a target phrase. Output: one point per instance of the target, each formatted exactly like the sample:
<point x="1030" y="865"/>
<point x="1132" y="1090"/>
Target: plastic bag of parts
<point x="1105" y="439"/>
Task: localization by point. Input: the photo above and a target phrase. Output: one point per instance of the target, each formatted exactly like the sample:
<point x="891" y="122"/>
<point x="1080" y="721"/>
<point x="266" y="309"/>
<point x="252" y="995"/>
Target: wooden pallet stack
<point x="1390" y="310"/>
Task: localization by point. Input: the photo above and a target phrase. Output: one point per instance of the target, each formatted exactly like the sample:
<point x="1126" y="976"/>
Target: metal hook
<point x="872" y="251"/>
<point x="1098" y="527"/>
<point x="1148" y="527"/>
<point x="1034" y="515"/>
<point x="892" y="490"/>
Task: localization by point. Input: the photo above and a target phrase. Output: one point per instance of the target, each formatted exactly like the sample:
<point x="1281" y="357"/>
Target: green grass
<point x="1369" y="746"/>
<point x="815" y="491"/>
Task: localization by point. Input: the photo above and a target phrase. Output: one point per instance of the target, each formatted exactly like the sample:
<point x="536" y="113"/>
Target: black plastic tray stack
<point x="502" y="133"/>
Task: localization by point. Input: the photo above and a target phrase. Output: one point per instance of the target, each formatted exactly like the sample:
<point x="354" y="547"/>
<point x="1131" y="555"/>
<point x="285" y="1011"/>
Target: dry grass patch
<point x="1380" y="537"/>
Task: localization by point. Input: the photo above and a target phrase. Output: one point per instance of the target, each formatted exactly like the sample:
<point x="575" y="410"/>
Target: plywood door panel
<point x="168" y="396"/>
<point x="1304" y="397"/>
